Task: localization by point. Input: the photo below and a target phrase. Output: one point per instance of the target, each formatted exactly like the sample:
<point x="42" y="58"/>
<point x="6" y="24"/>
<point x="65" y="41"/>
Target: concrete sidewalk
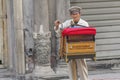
<point x="46" y="73"/>
<point x="105" y="76"/>
<point x="5" y="74"/>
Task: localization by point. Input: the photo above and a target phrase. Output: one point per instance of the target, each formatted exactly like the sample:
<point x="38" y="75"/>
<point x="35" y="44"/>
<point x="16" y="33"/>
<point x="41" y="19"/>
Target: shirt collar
<point x="79" y="22"/>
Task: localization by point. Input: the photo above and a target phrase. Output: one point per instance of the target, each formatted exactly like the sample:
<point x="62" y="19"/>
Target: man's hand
<point x="57" y="22"/>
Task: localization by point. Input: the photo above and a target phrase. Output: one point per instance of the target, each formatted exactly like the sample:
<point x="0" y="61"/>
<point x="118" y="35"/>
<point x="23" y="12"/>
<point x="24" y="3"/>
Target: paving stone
<point x="46" y="73"/>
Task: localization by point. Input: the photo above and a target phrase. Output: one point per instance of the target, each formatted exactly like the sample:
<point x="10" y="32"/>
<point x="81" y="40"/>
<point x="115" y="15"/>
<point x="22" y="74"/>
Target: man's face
<point x="75" y="17"/>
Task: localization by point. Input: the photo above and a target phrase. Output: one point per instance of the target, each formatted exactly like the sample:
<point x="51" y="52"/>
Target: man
<point x="75" y="13"/>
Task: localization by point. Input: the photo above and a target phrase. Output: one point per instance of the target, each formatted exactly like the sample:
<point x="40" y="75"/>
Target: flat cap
<point x="74" y="9"/>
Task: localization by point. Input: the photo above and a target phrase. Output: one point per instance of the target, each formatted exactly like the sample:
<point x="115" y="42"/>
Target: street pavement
<point x="44" y="72"/>
<point x="5" y="74"/>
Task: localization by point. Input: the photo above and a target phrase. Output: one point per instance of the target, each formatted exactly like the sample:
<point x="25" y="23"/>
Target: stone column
<point x="5" y="35"/>
<point x="28" y="23"/>
<point x="62" y="12"/>
<point x="1" y="30"/>
<point x="11" y="35"/>
<point x="57" y="11"/>
<point x="52" y="18"/>
<point x="41" y="28"/>
<point x="28" y="29"/>
<point x="19" y="36"/>
<point x="41" y="15"/>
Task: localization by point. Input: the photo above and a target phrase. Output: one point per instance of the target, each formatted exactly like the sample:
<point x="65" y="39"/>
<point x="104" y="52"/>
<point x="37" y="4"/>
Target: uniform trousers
<point x="81" y="69"/>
